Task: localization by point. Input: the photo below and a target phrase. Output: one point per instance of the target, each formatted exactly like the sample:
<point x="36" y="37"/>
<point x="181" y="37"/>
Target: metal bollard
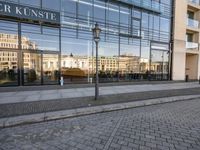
<point x="90" y="80"/>
<point x="61" y="81"/>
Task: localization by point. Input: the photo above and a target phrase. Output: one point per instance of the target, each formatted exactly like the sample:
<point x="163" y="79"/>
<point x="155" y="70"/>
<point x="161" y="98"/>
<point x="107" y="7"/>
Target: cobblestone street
<point x="164" y="126"/>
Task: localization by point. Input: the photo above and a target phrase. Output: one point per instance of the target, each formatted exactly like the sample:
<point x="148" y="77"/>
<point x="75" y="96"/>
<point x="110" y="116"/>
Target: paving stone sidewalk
<point x="31" y="96"/>
<point x="26" y="108"/>
<point x="171" y="126"/>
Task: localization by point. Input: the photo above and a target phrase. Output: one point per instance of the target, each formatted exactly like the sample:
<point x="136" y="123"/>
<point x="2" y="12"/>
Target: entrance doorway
<point x="159" y="65"/>
<point x="50" y="70"/>
<point x="191" y="69"/>
<point x="159" y="61"/>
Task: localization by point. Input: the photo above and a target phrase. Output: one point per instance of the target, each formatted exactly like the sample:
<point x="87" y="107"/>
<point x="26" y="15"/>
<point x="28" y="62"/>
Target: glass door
<point x="159" y="65"/>
<point x="8" y="68"/>
<point x="50" y="68"/>
<point x="32" y="68"/>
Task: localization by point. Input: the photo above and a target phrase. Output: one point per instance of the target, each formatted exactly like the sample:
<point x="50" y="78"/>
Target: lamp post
<point x="96" y="36"/>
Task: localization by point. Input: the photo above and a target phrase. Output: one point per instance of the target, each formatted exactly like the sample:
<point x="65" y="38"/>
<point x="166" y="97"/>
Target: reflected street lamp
<point x="96" y="36"/>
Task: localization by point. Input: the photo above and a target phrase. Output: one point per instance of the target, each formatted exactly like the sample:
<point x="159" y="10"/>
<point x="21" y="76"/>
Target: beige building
<point x="186" y="51"/>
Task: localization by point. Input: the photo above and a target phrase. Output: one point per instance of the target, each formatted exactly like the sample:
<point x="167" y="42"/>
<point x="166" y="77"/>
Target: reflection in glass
<point x="32" y="68"/>
<point x="75" y="67"/>
<point x="144" y="61"/>
<point x="85" y="9"/>
<point x="68" y="7"/>
<point x="8" y="35"/>
<point x="124" y="20"/>
<point x="156" y="28"/>
<point x="108" y="62"/>
<point x="159" y="65"/>
<point x="113" y="14"/>
<point x="99" y="11"/>
<point x="164" y="24"/>
<point x="40" y="37"/>
<point x="129" y="60"/>
<point x="50" y="68"/>
<point x="8" y="68"/>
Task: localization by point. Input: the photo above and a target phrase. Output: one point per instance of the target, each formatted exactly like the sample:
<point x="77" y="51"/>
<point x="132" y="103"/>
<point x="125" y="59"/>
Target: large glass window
<point x="145" y="20"/>
<point x="136" y="26"/>
<point x="85" y="9"/>
<point x="144" y="61"/>
<point x="108" y="61"/>
<point x="8" y="58"/>
<point x="124" y="20"/>
<point x="37" y="37"/>
<point x="8" y="35"/>
<point x="76" y="55"/>
<point x="113" y="14"/>
<point x="112" y="20"/>
<point x="151" y="21"/>
<point x="156" y="23"/>
<point x="85" y="14"/>
<point x="129" y="59"/>
<point x="99" y="11"/>
<point x="164" y="24"/>
<point x="68" y="7"/>
<point x="156" y="27"/>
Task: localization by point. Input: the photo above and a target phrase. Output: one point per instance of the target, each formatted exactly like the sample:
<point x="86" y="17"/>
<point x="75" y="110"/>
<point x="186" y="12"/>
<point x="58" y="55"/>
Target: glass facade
<point x="134" y="42"/>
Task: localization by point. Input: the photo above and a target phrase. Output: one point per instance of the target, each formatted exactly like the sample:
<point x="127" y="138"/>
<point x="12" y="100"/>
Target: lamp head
<point x="96" y="33"/>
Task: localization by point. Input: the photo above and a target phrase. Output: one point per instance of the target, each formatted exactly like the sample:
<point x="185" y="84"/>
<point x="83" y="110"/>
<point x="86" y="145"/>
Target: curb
<point x="48" y="116"/>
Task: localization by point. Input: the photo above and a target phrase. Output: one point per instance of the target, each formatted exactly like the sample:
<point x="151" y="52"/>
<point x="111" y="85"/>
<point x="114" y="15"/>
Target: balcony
<point x="194" y="2"/>
<point x="192" y="23"/>
<point x="192" y="45"/>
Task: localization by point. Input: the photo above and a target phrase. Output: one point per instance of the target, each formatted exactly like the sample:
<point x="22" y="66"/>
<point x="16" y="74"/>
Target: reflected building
<point x="129" y="64"/>
<point x="124" y="64"/>
<point x="9" y="59"/>
<point x="106" y="64"/>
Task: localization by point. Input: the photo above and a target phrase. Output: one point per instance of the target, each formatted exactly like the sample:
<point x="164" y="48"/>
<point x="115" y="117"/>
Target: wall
<point x="178" y="66"/>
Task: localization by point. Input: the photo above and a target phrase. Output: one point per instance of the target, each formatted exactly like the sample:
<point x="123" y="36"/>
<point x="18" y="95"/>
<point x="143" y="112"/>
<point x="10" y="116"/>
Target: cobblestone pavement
<point x="158" y="127"/>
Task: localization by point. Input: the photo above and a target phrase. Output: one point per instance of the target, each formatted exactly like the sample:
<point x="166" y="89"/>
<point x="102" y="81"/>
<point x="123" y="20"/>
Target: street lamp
<point x="96" y="36"/>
